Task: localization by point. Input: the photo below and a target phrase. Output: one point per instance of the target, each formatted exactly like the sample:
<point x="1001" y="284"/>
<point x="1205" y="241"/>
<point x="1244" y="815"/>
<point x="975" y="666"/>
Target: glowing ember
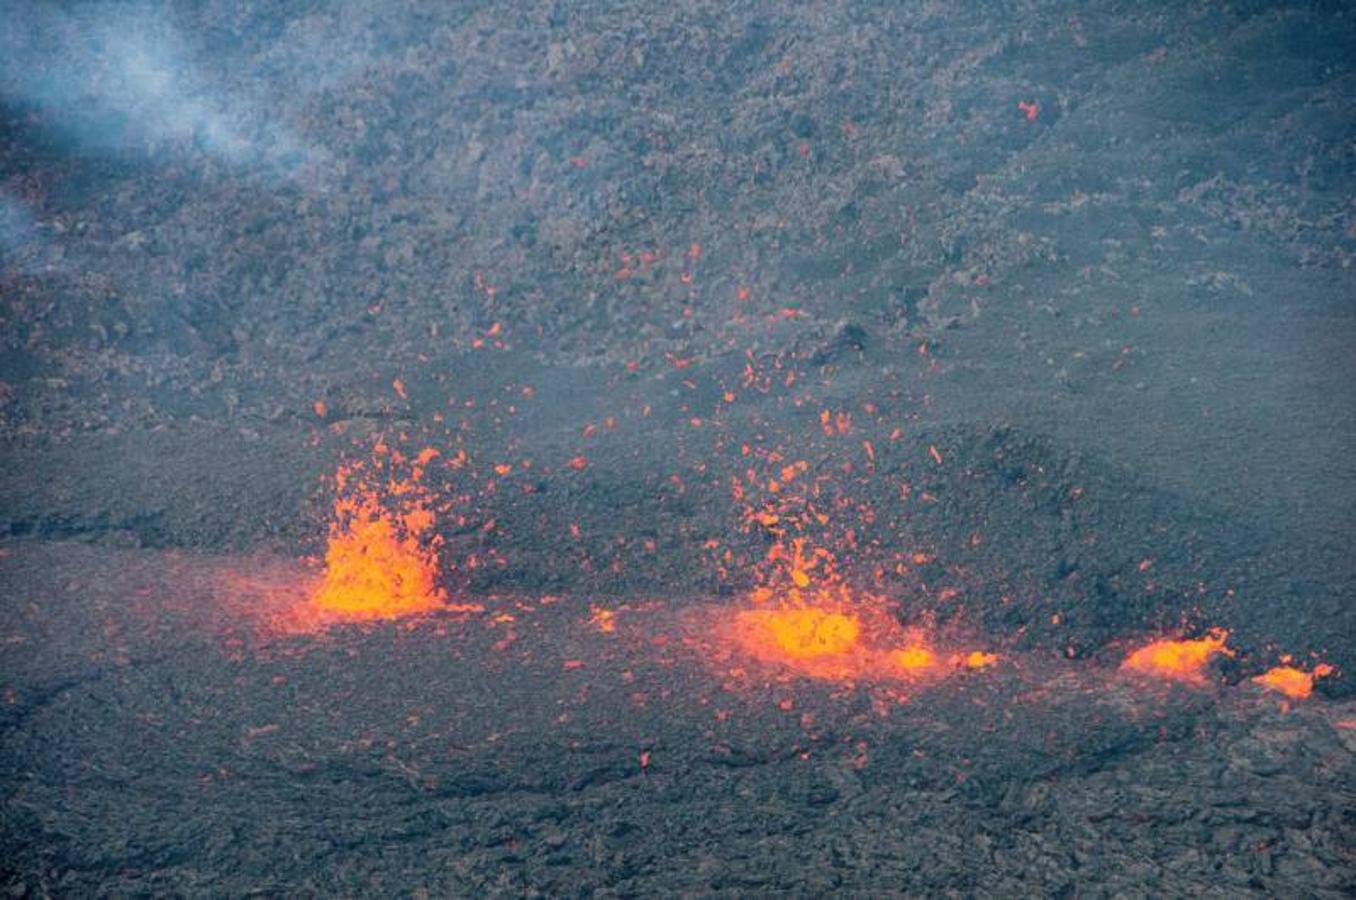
<point x="1183" y="661"/>
<point x="380" y="563"/>
<point x="1295" y="683"/>
<point x="604" y="620"/>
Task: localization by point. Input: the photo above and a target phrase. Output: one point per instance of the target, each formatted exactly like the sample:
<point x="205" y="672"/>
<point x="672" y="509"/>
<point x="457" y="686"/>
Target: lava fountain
<point x="803" y="617"/>
<point x="382" y="555"/>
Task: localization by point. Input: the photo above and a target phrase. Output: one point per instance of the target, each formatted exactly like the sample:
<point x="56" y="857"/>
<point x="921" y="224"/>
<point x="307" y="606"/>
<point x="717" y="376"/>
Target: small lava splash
<point x="1182" y="661"/>
<point x="803" y="618"/>
<point x="382" y="560"/>
<point x="1293" y="681"/>
<point x="856" y="642"/>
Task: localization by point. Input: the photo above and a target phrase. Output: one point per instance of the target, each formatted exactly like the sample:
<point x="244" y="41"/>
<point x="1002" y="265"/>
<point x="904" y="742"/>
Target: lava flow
<point x="381" y="560"/>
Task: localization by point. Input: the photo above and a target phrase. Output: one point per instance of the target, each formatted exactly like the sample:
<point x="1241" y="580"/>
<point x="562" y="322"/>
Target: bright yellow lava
<point x="1183" y="661"/>
<point x="373" y="573"/>
<point x="978" y="659"/>
<point x="847" y="644"/>
<point x="805" y="633"/>
<point x="914" y="659"/>
<point x="378" y="564"/>
<point x="1294" y="683"/>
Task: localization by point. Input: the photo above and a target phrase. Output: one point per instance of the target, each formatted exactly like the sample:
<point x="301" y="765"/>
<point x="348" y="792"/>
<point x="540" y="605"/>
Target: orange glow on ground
<point x="1293" y="682"/>
<point x="1173" y="660"/>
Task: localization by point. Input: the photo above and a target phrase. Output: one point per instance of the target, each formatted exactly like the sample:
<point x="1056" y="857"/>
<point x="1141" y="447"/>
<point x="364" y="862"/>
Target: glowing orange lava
<point x="381" y="561"/>
<point x="1291" y="681"/>
<point x="1184" y="661"/>
<point x="825" y="630"/>
<point x="856" y="641"/>
<point x="802" y="616"/>
<point x="914" y="659"/>
<point x="800" y="633"/>
<point x="808" y="641"/>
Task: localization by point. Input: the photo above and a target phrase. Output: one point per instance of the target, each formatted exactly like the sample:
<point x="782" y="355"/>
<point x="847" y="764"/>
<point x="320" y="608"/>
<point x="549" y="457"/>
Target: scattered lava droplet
<point x="603" y="620"/>
<point x="978" y="659"/>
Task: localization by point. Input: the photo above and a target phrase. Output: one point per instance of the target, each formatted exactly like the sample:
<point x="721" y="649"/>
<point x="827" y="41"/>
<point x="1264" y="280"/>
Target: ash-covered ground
<point x="1039" y="316"/>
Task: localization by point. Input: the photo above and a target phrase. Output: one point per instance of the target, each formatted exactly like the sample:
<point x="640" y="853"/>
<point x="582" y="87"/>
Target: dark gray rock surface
<point x="1095" y="257"/>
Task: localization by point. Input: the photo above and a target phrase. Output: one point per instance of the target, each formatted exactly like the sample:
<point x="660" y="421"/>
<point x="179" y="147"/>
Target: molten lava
<point x="372" y="571"/>
<point x="855" y="641"/>
<point x="1178" y="660"/>
<point x="802" y="616"/>
<point x="1291" y="681"/>
<point x="381" y="561"/>
<point x="801" y="633"/>
<point x="916" y="658"/>
<point x="809" y="641"/>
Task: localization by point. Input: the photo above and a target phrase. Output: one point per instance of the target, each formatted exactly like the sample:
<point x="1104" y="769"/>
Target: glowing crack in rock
<point x="1183" y="661"/>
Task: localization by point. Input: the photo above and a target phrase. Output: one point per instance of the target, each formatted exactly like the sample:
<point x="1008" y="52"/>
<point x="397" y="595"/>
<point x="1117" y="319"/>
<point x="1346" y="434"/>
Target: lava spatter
<point x="814" y="642"/>
<point x="859" y="640"/>
<point x="1291" y="680"/>
<point x="802" y="616"/>
<point x="382" y="554"/>
<point x="1183" y="661"/>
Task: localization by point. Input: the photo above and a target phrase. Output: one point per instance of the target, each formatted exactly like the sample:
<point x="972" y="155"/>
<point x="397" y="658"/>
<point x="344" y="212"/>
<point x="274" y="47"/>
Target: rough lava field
<point x="457" y="449"/>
